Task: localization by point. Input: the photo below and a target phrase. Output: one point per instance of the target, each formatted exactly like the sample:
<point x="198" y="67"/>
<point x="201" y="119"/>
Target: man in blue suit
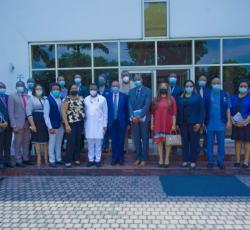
<point x="139" y="104"/>
<point x="174" y="89"/>
<point x="5" y="129"/>
<point x="117" y="121"/>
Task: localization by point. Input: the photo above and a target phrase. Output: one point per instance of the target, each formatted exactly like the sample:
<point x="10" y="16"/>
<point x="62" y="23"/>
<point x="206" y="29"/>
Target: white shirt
<point x="47" y="110"/>
<point x="117" y="95"/>
<point x="96" y="111"/>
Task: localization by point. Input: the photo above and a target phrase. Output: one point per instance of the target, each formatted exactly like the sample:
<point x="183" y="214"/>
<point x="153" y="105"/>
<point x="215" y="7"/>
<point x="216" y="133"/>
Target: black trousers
<point x="73" y="147"/>
<point x="5" y="144"/>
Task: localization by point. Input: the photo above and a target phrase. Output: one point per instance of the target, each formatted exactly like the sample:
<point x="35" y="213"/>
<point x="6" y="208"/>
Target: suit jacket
<point x="176" y="92"/>
<point x="140" y="102"/>
<point x="122" y="113"/>
<point x="17" y="113"/>
<point x="83" y="91"/>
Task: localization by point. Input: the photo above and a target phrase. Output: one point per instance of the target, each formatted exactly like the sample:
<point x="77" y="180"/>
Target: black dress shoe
<point x="52" y="165"/>
<point x="113" y="163"/>
<point x="89" y="164"/>
<point x="9" y="165"/>
<point x="236" y="165"/>
<point x="28" y="163"/>
<point x="20" y="165"/>
<point x="221" y="166"/>
<point x="59" y="162"/>
<point x="244" y="166"/>
<point x="121" y="162"/>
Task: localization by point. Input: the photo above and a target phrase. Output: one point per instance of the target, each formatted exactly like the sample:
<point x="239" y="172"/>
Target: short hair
<point x="54" y="84"/>
<point x="244" y="81"/>
<point x="20" y="82"/>
<point x="93" y="84"/>
<point x="34" y="89"/>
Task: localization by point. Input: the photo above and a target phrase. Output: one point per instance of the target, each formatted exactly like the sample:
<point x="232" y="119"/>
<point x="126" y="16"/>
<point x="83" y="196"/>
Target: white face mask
<point x="126" y="79"/>
<point x="93" y="93"/>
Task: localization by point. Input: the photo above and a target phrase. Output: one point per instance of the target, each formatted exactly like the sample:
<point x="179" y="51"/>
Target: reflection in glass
<point x="155" y="19"/>
<point x="236" y="50"/>
<point x="207" y="51"/>
<point x="174" y="53"/>
<point x="208" y="71"/>
<point x="137" y="53"/>
<point x="45" y="78"/>
<point x="106" y="54"/>
<point x="182" y="76"/>
<point x="74" y="55"/>
<point x="69" y="76"/>
<point x="232" y="76"/>
<point x="43" y="56"/>
<point x="111" y="74"/>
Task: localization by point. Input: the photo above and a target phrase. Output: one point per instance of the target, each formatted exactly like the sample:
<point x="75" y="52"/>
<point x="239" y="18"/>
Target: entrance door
<point x="182" y="75"/>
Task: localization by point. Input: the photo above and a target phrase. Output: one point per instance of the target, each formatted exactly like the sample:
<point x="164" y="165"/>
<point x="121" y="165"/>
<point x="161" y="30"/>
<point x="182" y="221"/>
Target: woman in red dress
<point x="163" y="121"/>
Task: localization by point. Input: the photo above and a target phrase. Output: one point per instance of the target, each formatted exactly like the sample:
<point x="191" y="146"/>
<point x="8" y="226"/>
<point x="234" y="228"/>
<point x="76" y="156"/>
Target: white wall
<point x="24" y="21"/>
<point x="201" y="18"/>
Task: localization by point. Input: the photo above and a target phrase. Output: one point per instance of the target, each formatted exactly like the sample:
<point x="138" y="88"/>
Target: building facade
<point x="49" y="38"/>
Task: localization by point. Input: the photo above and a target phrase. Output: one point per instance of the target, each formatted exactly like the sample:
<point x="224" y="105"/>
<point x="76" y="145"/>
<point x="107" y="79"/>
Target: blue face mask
<point x="30" y="85"/>
<point x="101" y="82"/>
<point x="115" y="89"/>
<point x="138" y="83"/>
<point x="202" y="83"/>
<point x="216" y="88"/>
<point x="55" y="93"/>
<point x="77" y="81"/>
<point x="189" y="89"/>
<point x="20" y="89"/>
<point x="172" y="80"/>
<point x="62" y="83"/>
<point x="243" y="89"/>
<point x="2" y="91"/>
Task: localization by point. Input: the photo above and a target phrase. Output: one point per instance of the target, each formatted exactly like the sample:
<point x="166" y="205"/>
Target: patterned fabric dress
<point x="163" y="119"/>
<point x="75" y="112"/>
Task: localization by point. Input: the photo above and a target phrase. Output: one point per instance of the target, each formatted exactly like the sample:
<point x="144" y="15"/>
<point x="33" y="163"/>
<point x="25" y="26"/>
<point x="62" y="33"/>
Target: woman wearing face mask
<point x="73" y="114"/>
<point x="241" y="128"/>
<point x="163" y="121"/>
<point x="39" y="131"/>
<point x="189" y="120"/>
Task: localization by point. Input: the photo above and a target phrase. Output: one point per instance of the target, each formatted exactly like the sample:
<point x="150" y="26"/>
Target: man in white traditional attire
<point x="96" y="111"/>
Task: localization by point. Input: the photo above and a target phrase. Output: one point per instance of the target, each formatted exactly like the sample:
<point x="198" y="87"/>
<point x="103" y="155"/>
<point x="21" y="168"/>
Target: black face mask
<point x="73" y="92"/>
<point x="163" y="91"/>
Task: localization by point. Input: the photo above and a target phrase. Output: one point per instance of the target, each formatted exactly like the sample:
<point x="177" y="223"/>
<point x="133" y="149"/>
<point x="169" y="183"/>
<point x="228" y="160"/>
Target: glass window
<point x="236" y="50"/>
<point x="106" y="54"/>
<point x="137" y="53"/>
<point x="155" y="19"/>
<point x="45" y="78"/>
<point x="69" y="76"/>
<point x="43" y="56"/>
<point x="112" y="74"/>
<point x="174" y="53"/>
<point x="232" y="75"/>
<point x="208" y="71"/>
<point x="74" y="55"/>
<point x="207" y="51"/>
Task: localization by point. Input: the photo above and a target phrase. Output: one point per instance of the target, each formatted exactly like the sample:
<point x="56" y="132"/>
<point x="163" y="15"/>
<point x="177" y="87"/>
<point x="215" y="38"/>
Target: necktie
<point x="3" y="99"/>
<point x="115" y="106"/>
<point x="138" y="92"/>
<point x="24" y="102"/>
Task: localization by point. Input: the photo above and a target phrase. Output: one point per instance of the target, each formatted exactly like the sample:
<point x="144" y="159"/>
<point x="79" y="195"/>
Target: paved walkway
<point x="82" y="202"/>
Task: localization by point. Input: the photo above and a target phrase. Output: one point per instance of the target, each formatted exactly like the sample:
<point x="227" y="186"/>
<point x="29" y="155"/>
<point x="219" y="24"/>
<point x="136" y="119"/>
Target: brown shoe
<point x="142" y="164"/>
<point x="137" y="162"/>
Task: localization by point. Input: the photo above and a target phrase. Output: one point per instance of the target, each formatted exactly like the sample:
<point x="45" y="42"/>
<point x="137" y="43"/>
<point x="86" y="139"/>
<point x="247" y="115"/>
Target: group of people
<point x="99" y="113"/>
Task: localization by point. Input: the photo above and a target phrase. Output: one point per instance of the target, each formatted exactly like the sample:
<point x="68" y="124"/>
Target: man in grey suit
<point x="17" y="113"/>
<point x="139" y="104"/>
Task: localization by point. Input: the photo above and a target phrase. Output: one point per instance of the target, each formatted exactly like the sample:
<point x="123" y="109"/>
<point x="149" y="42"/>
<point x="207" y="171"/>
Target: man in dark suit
<point x="5" y="129"/>
<point x="174" y="89"/>
<point x="117" y="121"/>
<point x="139" y="103"/>
<point x="82" y="89"/>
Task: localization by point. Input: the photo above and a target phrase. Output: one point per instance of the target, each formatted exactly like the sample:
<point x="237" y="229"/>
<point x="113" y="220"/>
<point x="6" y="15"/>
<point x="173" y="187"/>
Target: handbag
<point x="173" y="139"/>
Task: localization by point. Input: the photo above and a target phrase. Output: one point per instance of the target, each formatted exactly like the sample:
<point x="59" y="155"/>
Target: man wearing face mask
<point x="104" y="91"/>
<point x="96" y="111"/>
<point x="139" y="103"/>
<point x="17" y="104"/>
<point x="117" y="121"/>
<point x="82" y="89"/>
<point x="217" y="108"/>
<point x="5" y="129"/>
<point x="174" y="89"/>
<point x="202" y="90"/>
<point x="30" y="86"/>
<point x="53" y="120"/>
